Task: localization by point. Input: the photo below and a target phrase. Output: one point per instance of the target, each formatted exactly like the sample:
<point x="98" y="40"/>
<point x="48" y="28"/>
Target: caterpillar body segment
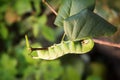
<point x="58" y="50"/>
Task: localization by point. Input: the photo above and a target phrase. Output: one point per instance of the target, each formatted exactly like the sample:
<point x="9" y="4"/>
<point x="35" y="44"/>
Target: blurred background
<point x="32" y="17"/>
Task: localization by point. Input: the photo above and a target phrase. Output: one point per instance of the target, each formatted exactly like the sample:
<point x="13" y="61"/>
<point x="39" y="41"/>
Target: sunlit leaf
<point x="36" y="29"/>
<point x="42" y="19"/>
<point x="22" y="6"/>
<point x="3" y="31"/>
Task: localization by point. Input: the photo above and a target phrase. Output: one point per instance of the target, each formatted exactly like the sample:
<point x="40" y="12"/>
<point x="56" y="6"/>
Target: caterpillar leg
<point x="37" y="57"/>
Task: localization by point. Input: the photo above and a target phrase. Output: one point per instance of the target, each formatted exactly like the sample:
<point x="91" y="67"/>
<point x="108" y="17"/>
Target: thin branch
<point x="51" y="8"/>
<point x="106" y="43"/>
<point x="95" y="40"/>
<point x="33" y="49"/>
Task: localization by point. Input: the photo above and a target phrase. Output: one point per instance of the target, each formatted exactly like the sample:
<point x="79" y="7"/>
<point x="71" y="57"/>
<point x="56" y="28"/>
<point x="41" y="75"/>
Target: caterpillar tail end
<point x="28" y="44"/>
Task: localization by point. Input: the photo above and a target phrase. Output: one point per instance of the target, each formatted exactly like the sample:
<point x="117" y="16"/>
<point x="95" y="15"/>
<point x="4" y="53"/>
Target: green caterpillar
<point x="65" y="47"/>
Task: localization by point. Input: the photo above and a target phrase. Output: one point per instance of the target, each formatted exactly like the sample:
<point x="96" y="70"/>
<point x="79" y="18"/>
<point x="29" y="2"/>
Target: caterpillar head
<point x="87" y="45"/>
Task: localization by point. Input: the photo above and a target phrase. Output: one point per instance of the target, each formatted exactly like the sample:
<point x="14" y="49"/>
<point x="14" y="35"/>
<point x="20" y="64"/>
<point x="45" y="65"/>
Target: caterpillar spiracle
<point x="66" y="47"/>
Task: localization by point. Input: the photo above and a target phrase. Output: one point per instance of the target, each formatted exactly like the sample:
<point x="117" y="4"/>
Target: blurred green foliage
<point x="7" y="68"/>
<point x="20" y="17"/>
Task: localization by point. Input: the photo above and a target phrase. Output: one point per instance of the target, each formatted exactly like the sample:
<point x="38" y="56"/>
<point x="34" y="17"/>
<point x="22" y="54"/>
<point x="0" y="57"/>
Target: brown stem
<point x="107" y="43"/>
<point x="44" y="1"/>
<point x="95" y="40"/>
<point x="33" y="49"/>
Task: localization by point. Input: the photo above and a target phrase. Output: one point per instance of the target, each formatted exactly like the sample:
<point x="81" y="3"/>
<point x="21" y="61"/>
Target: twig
<point x="33" y="49"/>
<point x="106" y="43"/>
<point x="44" y="1"/>
<point x="95" y="40"/>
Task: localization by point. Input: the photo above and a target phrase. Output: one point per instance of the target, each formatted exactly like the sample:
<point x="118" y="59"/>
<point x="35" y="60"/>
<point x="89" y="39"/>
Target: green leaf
<point x="71" y="7"/>
<point x="48" y="33"/>
<point x="4" y="62"/>
<point x="3" y="31"/>
<point x="93" y="77"/>
<point x="36" y="29"/>
<point x="22" y="6"/>
<point x="28" y="73"/>
<point x="45" y="70"/>
<point x="87" y="24"/>
<point x="98" y="69"/>
<point x="51" y="70"/>
<point x="71" y="74"/>
<point x="42" y="20"/>
<point x="37" y="6"/>
<point x="7" y="67"/>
